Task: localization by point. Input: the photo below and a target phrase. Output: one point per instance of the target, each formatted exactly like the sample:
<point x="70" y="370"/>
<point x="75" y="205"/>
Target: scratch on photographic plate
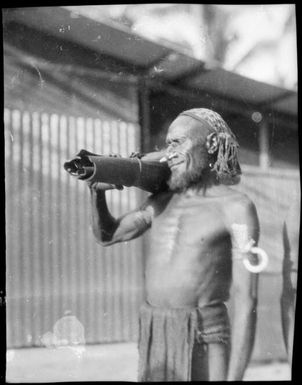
<point x="40" y="76"/>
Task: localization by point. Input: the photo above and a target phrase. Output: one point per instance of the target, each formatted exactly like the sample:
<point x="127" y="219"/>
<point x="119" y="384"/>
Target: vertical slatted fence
<point x="53" y="262"/>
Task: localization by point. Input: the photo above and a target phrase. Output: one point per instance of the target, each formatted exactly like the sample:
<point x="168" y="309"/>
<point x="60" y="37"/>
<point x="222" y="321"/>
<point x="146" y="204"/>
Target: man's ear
<point x="212" y="143"/>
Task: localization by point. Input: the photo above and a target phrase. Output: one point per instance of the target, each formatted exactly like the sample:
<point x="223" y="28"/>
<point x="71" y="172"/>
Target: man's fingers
<point x="104" y="186"/>
<point x="115" y="155"/>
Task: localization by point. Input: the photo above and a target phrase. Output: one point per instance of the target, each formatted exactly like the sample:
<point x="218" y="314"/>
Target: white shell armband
<point x="241" y="242"/>
<point x="263" y="261"/>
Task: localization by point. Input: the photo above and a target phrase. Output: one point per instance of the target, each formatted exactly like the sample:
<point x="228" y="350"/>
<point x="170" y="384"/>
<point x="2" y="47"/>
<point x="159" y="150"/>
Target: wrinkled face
<point x="186" y="152"/>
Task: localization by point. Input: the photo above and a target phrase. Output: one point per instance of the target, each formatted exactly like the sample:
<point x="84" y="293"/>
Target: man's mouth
<point x="169" y="157"/>
<point x="175" y="164"/>
<point x="172" y="160"/>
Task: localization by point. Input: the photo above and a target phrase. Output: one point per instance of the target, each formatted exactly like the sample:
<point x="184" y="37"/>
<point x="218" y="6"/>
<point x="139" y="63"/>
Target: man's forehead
<point x="186" y="126"/>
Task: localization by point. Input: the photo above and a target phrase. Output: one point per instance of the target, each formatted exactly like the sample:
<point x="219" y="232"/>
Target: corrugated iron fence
<point x="53" y="262"/>
<point x="272" y="192"/>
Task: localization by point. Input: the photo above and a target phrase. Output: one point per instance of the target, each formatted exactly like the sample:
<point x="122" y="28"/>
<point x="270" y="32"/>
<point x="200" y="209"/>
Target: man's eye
<point x="173" y="142"/>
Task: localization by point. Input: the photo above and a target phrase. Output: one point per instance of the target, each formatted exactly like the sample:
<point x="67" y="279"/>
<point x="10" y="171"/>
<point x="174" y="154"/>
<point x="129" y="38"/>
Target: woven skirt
<point x="167" y="337"/>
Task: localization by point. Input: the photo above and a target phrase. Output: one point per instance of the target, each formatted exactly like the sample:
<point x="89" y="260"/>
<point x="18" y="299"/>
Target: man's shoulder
<point x="231" y="197"/>
<point x="238" y="207"/>
<point x="157" y="201"/>
<point x="239" y="199"/>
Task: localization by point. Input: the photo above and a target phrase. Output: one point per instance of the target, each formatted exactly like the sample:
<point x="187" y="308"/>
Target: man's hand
<point x="100" y="186"/>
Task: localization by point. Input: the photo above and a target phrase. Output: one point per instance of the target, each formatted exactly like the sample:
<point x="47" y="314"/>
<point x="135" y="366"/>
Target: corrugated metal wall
<point x="53" y="262"/>
<point x="272" y="192"/>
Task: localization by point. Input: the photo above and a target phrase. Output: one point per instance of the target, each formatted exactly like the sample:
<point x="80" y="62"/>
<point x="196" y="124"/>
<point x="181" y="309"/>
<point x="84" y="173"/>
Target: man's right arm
<point x="109" y="230"/>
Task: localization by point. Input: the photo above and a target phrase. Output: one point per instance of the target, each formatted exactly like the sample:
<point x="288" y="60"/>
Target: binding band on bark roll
<point x="145" y="172"/>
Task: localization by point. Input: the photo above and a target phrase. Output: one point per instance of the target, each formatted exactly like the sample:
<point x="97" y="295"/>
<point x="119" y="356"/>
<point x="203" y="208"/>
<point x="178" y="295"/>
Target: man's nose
<point x="170" y="154"/>
<point x="171" y="148"/>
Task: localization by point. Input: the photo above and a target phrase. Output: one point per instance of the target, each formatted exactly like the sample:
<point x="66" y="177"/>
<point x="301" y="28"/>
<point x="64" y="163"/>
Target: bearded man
<point x="199" y="229"/>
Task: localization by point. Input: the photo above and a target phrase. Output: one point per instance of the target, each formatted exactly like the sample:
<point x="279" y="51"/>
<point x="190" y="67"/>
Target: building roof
<point x="152" y="60"/>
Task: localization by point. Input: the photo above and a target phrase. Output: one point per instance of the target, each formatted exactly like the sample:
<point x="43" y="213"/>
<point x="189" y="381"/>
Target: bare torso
<point x="189" y="261"/>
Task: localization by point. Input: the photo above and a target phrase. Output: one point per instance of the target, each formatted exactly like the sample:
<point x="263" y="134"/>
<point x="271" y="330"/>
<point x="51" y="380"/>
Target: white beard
<point x="181" y="181"/>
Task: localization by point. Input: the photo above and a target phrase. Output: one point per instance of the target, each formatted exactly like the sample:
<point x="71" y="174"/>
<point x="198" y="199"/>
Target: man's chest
<point x="188" y="221"/>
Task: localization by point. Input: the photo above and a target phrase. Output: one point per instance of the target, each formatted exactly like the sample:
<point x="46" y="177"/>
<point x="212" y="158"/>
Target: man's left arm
<point x="245" y="230"/>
